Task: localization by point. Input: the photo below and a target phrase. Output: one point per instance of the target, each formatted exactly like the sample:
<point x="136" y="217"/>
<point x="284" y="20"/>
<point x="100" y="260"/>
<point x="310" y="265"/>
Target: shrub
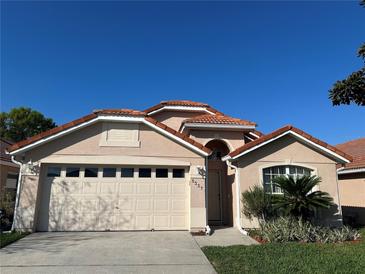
<point x="256" y="203"/>
<point x="299" y="199"/>
<point x="7" y="207"/>
<point x="296" y="230"/>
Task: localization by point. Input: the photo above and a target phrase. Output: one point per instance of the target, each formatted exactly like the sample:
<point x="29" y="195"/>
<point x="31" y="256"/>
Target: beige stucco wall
<point x="287" y="150"/>
<point x="175" y="118"/>
<point x="85" y="142"/>
<point x="233" y="139"/>
<point x="352" y="189"/>
<point x="352" y="197"/>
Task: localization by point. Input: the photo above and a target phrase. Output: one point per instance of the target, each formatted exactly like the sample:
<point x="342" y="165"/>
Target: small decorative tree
<point x="256" y="203"/>
<point x="298" y="198"/>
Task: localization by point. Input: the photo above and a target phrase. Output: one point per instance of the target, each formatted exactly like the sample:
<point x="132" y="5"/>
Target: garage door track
<point x="105" y="252"/>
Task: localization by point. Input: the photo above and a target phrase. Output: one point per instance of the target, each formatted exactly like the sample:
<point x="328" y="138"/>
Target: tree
<point x="351" y="89"/>
<point x="22" y="123"/>
<point x="299" y="199"/>
<point x="256" y="203"/>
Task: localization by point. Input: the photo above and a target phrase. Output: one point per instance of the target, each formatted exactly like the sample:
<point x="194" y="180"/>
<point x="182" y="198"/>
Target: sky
<point x="268" y="62"/>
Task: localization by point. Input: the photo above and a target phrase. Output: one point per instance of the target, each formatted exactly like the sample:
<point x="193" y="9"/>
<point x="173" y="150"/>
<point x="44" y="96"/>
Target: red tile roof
<point x="281" y="131"/>
<point x="185" y="103"/>
<point x="356" y="148"/>
<point x="178" y="134"/>
<point x="4" y="144"/>
<point x="122" y="112"/>
<point x="218" y="119"/>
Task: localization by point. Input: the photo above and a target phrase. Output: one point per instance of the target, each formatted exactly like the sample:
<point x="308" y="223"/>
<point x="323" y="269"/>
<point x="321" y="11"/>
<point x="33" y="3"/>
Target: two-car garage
<point x="102" y="198"/>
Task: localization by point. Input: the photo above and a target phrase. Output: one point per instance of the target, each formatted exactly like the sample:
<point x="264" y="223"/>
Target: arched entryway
<point x="219" y="186"/>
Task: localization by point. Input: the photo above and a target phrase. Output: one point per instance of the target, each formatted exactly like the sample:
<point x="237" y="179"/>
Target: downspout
<point x="238" y="191"/>
<point x="206" y="194"/>
<point x="17" y="191"/>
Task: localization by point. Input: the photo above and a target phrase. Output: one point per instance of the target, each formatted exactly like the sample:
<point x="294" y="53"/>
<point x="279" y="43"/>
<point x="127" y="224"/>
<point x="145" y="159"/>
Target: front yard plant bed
<point x="348" y="257"/>
<point x="8" y="238"/>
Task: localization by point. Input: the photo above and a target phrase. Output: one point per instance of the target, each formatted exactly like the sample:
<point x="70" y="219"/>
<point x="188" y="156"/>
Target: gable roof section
<point x="108" y="115"/>
<point x="219" y="119"/>
<point x="181" y="105"/>
<point x="356" y="148"/>
<point x="328" y="149"/>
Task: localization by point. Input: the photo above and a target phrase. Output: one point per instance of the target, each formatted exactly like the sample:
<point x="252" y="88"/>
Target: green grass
<point x="289" y="258"/>
<point x="8" y="238"/>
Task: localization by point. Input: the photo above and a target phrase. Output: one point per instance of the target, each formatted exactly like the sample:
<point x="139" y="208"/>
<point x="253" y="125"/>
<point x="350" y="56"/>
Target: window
<point x="91" y="172"/>
<point x="109" y="172"/>
<point x="178" y="173"/>
<point x="272" y="172"/>
<point x="72" y="172"/>
<point x="127" y="172"/>
<point x="162" y="172"/>
<point x="145" y="173"/>
<point x="53" y="171"/>
<point x="11" y="180"/>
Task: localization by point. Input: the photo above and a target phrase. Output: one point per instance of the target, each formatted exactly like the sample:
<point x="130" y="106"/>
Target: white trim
<point x="172" y="136"/>
<point x="238" y="195"/>
<point x="257" y="136"/>
<point x="352" y="170"/>
<point x="215" y="126"/>
<point x="110" y="118"/>
<point x="182" y="108"/>
<point x="330" y="152"/>
<point x="50" y="138"/>
<point x="14" y="224"/>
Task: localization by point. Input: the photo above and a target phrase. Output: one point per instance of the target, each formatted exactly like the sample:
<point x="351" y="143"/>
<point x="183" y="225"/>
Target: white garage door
<point x="116" y="198"/>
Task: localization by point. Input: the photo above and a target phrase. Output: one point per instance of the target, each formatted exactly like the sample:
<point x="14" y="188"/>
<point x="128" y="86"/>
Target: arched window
<point x="270" y="173"/>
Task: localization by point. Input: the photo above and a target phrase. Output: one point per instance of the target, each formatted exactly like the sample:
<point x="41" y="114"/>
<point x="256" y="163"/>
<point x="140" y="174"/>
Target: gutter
<point x="17" y="191"/>
<point x="238" y="191"/>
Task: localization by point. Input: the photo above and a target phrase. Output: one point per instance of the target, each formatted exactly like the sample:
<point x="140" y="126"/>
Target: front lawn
<point x="289" y="258"/>
<point x="8" y="238"/>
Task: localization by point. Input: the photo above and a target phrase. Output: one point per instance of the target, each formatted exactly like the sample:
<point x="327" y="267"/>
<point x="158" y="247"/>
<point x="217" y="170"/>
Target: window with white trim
<point x="270" y="173"/>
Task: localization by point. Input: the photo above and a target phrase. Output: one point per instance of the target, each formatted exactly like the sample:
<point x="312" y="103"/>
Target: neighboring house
<point x="351" y="180"/>
<point x="9" y="170"/>
<point x="179" y="165"/>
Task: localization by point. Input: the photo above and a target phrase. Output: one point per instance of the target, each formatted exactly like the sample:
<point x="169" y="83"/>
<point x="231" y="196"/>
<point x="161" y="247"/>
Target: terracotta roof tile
<point x="218" y="119"/>
<point x="123" y="112"/>
<point x="126" y="112"/>
<point x="279" y="132"/>
<point x="356" y="148"/>
<point x="185" y="103"/>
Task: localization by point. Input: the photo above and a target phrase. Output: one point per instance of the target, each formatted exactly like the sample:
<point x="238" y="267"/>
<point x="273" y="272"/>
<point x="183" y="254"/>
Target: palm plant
<point x="256" y="203"/>
<point x="299" y="199"/>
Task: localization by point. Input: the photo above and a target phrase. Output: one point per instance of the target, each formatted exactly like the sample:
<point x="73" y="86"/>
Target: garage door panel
<point x="161" y="221"/>
<point x="126" y="204"/>
<point x="144" y="188"/>
<point x="143" y="222"/>
<point x="126" y="188"/>
<point x="178" y="188"/>
<point x="90" y="187"/>
<point x="179" y="221"/>
<point x="144" y="204"/>
<point x="124" y="221"/>
<point x="162" y="188"/>
<point x="91" y="204"/>
<point x="178" y="205"/>
<point x="107" y="187"/>
<point x="161" y="205"/>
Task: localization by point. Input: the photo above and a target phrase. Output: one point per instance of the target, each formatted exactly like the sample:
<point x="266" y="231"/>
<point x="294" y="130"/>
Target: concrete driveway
<point x="105" y="252"/>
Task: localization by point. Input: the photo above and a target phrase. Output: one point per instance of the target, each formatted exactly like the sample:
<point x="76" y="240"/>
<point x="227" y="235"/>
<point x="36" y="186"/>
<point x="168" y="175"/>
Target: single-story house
<point x="179" y="165"/>
<point x="9" y="170"/>
<point x="351" y="181"/>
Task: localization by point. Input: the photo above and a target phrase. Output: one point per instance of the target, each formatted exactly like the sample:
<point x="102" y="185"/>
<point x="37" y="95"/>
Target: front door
<point x="214" y="198"/>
